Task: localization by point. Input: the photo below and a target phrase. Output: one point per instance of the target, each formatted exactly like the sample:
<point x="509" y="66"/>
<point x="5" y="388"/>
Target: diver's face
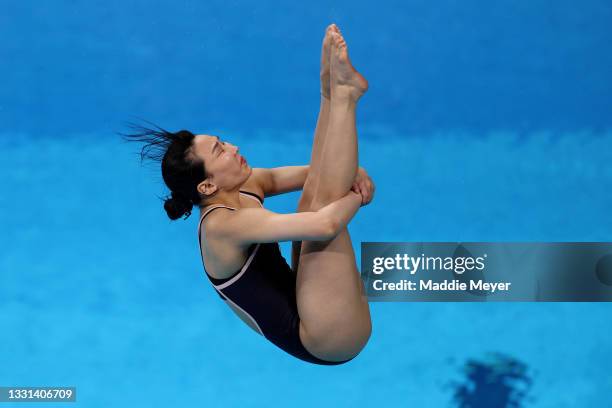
<point x="225" y="167"/>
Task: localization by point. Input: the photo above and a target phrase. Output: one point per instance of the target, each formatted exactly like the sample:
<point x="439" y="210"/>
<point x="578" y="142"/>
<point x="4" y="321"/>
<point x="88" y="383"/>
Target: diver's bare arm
<point x="258" y="225"/>
<point x="279" y="180"/>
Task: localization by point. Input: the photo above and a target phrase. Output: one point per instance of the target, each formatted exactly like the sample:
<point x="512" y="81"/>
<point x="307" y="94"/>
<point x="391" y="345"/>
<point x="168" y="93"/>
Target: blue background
<point x="485" y="121"/>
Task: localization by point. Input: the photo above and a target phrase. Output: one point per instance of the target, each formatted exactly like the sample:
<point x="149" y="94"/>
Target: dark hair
<point x="181" y="169"/>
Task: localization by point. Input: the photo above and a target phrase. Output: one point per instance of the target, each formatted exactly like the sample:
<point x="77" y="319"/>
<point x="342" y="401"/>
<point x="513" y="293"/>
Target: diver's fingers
<point x="366" y="188"/>
<point x="357" y="188"/>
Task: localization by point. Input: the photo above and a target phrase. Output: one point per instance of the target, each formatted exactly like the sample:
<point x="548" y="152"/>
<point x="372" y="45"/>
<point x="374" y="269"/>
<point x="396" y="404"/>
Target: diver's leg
<point x="335" y="318"/>
<point x="319" y="137"/>
<point x="307" y="191"/>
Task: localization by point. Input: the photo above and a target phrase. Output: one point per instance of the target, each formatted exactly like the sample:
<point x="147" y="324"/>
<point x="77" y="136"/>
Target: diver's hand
<point x="364" y="185"/>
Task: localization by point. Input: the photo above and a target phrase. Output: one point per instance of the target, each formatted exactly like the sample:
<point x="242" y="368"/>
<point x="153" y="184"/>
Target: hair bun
<point x="177" y="206"/>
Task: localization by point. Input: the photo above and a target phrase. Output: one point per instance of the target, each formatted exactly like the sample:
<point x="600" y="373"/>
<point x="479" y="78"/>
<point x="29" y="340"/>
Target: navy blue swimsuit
<point x="264" y="289"/>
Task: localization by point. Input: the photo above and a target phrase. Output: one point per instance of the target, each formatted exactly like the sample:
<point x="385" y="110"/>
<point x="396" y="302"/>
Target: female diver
<point x="315" y="310"/>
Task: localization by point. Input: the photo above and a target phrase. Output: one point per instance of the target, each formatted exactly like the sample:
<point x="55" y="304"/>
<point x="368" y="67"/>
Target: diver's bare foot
<point x="325" y="53"/>
<point x="345" y="80"/>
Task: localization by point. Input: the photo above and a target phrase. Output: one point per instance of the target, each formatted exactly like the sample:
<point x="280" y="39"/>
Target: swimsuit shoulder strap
<point x="214" y="208"/>
<point x="208" y="212"/>
<point x="253" y="196"/>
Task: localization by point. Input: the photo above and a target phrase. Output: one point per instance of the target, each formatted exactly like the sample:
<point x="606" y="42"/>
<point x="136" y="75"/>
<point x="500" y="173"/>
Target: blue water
<point x="484" y="122"/>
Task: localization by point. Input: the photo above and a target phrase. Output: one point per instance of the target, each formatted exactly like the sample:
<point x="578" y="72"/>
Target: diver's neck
<point x="226" y="198"/>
